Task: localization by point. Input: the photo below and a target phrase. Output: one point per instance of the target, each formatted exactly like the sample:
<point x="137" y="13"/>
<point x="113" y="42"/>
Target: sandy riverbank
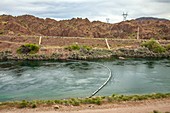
<point x="147" y="106"/>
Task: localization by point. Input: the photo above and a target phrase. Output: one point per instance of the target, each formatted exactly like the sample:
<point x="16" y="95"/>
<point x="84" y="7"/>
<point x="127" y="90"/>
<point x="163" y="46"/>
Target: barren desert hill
<point x="78" y="27"/>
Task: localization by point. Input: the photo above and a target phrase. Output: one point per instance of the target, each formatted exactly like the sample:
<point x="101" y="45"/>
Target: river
<point x="42" y="80"/>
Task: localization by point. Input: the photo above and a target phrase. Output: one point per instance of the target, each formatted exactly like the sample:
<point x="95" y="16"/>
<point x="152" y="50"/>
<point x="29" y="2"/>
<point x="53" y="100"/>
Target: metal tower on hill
<point x="107" y="20"/>
<point x="124" y="16"/>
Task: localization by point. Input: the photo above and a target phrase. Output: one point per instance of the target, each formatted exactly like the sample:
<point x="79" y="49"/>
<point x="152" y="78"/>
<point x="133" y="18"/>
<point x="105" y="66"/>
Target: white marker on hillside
<point x="40" y="40"/>
<point x="107" y="44"/>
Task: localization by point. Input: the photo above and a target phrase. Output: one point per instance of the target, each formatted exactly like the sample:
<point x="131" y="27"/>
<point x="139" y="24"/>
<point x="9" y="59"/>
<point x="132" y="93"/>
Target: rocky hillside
<point x="78" y="27"/>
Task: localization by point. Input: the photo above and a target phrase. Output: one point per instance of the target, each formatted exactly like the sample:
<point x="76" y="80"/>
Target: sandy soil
<point x="93" y="42"/>
<point x="146" y="106"/>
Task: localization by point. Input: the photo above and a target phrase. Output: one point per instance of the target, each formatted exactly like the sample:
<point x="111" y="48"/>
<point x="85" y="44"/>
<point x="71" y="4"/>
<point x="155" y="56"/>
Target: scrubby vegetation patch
<point x="78" y="47"/>
<point x="154" y="46"/>
<point x="28" y="49"/>
<point x="79" y="101"/>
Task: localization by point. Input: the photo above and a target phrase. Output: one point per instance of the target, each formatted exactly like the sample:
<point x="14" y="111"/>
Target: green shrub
<point x="154" y="46"/>
<point x="73" y="47"/>
<point x="75" y="103"/>
<point x="158" y="95"/>
<point x="155" y="111"/>
<point x="78" y="47"/>
<point x="58" y="101"/>
<point x="50" y="102"/>
<point x="86" y="101"/>
<point x="98" y="102"/>
<point x="86" y="47"/>
<point x="33" y="105"/>
<point x="23" y="104"/>
<point x="28" y="49"/>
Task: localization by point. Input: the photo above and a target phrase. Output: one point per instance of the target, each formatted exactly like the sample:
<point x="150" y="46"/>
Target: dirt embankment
<point x="147" y="106"/>
<point x="55" y="45"/>
<point x="66" y="41"/>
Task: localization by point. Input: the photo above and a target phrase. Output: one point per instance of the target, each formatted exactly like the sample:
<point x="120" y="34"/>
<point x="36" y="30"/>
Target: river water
<point x="44" y="80"/>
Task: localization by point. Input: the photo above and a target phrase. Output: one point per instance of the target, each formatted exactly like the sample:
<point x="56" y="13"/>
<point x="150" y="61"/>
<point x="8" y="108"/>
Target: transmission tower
<point x="107" y="20"/>
<point x="125" y="16"/>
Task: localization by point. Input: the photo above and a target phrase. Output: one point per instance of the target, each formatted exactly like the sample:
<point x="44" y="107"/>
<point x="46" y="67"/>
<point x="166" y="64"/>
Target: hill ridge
<point x="149" y="27"/>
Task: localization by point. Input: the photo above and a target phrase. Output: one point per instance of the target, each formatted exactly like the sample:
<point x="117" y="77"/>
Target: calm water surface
<point x="57" y="80"/>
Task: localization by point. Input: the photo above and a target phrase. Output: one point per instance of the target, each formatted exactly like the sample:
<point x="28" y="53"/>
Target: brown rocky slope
<point x="78" y="27"/>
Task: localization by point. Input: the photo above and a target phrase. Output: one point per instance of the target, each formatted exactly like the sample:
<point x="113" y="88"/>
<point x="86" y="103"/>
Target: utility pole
<point x="138" y="33"/>
<point x="107" y="20"/>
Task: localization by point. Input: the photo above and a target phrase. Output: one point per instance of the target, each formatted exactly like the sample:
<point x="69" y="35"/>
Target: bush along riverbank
<point x="82" y="101"/>
<point x="65" y="55"/>
<point x="86" y="54"/>
<point x="140" y="53"/>
<point x="148" y="49"/>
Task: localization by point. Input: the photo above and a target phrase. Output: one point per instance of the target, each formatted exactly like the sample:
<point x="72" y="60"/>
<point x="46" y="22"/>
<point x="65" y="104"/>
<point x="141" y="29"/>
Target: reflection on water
<point x="55" y="80"/>
<point x="150" y="64"/>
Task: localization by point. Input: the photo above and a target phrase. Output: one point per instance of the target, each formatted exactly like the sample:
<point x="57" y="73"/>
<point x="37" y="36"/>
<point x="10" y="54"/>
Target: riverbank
<point x="115" y="98"/>
<point x="56" y="48"/>
<point x="152" y="106"/>
<point x="62" y="54"/>
<point x="139" y="106"/>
